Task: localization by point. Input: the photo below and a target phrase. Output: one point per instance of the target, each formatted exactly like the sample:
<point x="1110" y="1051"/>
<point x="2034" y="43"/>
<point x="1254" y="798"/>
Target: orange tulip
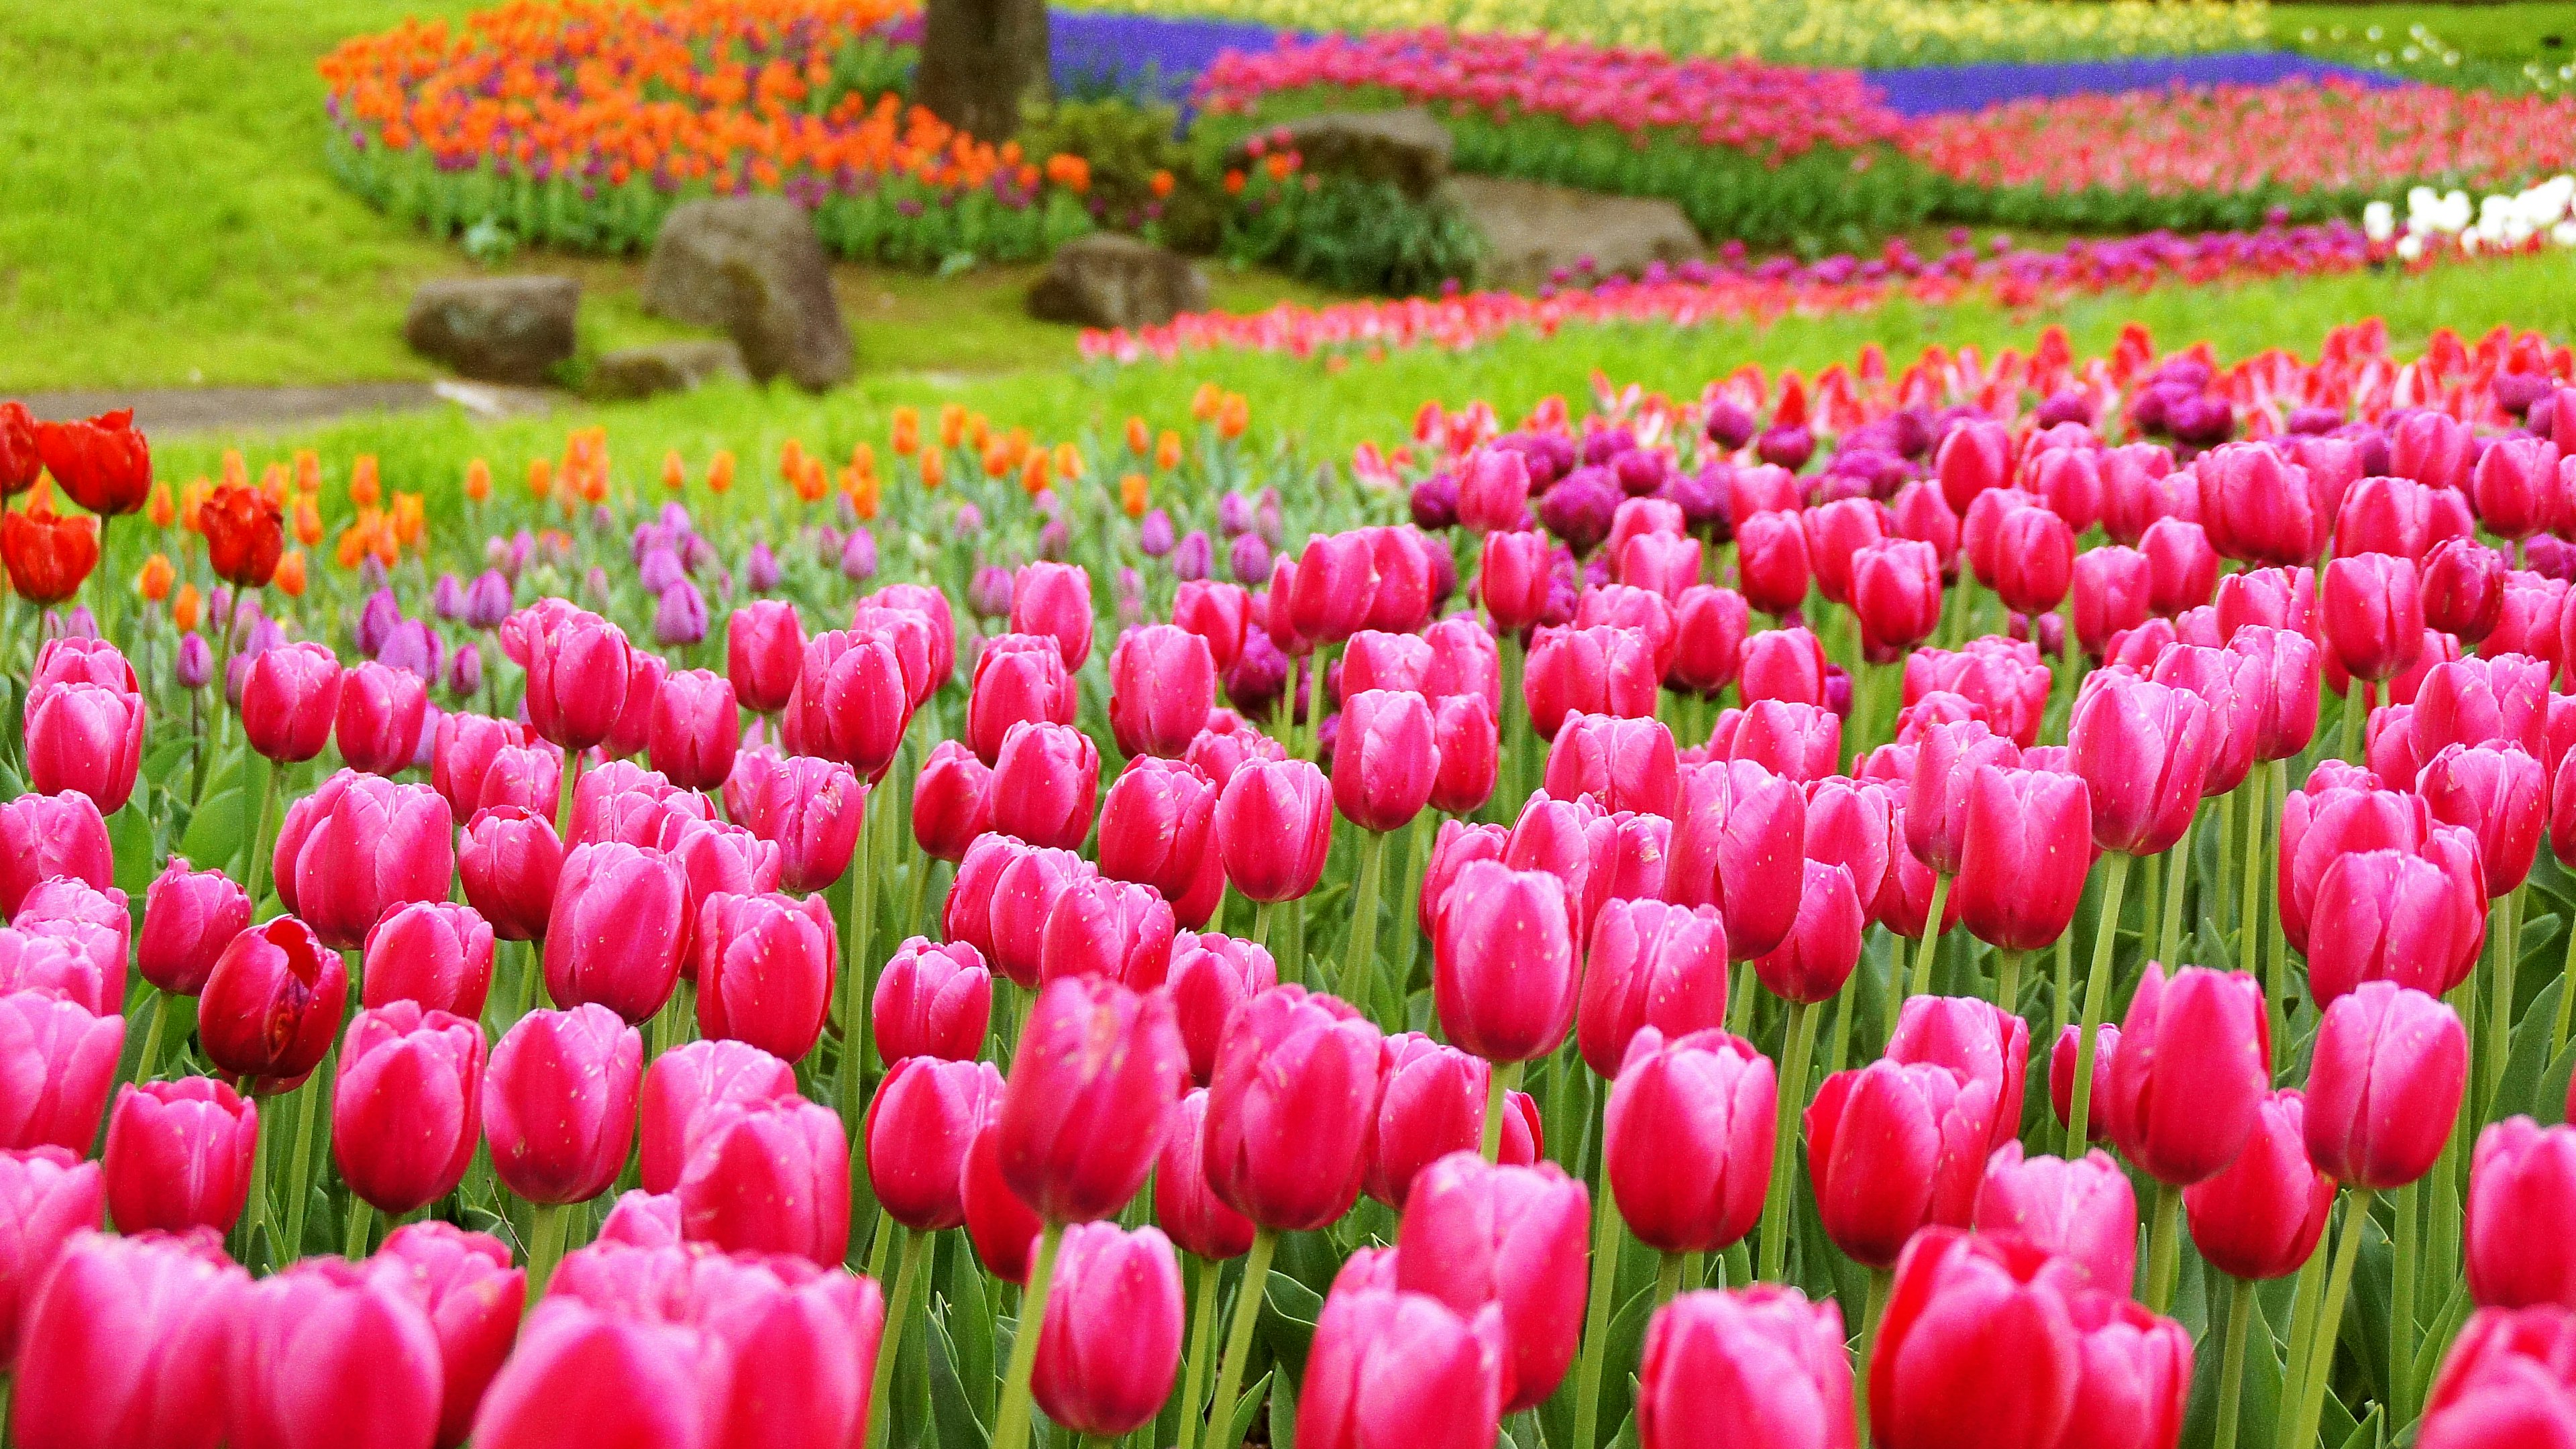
<point x="410" y="518"/>
<point x="235" y="472"/>
<point x="308" y="471"/>
<point x="906" y="439"/>
<point x="185" y="607"/>
<point x="364" y="490"/>
<point x="1203" y="403"/>
<point x="1233" y="415"/>
<point x="156" y="577"/>
<point x="865" y="495"/>
<point x="163" y="510"/>
<point x="1133" y="495"/>
<point x="1167" y="450"/>
<point x="675" y="474"/>
<point x="934" y="467"/>
<point x="952" y="424"/>
<point x="1139" y="436"/>
<point x="308" y="522"/>
<point x="478" y="485"/>
<point x="290" y="575"/>
<point x="541" y="478"/>
<point x="720" y="472"/>
<point x="1068" y="461"/>
<point x="791" y="461"/>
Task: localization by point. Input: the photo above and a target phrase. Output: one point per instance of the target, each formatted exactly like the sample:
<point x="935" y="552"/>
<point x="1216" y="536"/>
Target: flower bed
<point x="580" y="123"/>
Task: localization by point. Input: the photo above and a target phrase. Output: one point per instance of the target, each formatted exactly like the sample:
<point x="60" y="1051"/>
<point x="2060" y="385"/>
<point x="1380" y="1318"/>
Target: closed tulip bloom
<point x="559" y="1103"/>
<point x="1457" y="844"/>
<point x="2509" y="1382"/>
<point x="765" y="969"/>
<point x="1162" y="682"/>
<point x="128" y="1343"/>
<point x="1801" y="742"/>
<point x="178" y="1155"/>
<point x="1216" y="612"/>
<point x="529" y="775"/>
<point x="189" y="916"/>
<point x="2484" y="701"/>
<point x="357" y="848"/>
<point x="769" y="1176"/>
<point x="2463" y="588"/>
<point x="2111" y="595"/>
<point x="2061" y="1075"/>
<point x="324" y="1354"/>
<point x="1111" y="1343"/>
<point x="1003" y="1229"/>
<point x="2195" y="1061"/>
<point x="2143" y="751"/>
<point x="465" y="1284"/>
<point x="432" y="952"/>
<point x="2082" y="1209"/>
<point x="2523" y="1176"/>
<point x="932" y="1001"/>
<point x="687" y="1083"/>
<point x="1209" y="977"/>
<point x="1054" y="600"/>
<point x="1021" y="897"/>
<point x="1784" y="664"/>
<point x="616" y="930"/>
<point x="1401" y="1370"/>
<point x="1737" y="844"/>
<point x="809" y="808"/>
<point x="1947" y="759"/>
<point x="2514" y="486"/>
<point x="1623" y="764"/>
<point x="952" y="801"/>
<point x="2500" y="796"/>
<point x="509" y="864"/>
<point x="1772" y="559"/>
<point x="1493" y="490"/>
<point x="1894" y="1147"/>
<point x="1289" y="1112"/>
<point x="579" y="671"/>
<point x="289" y="701"/>
<point x="69" y="941"/>
<point x="1336" y="585"/>
<point x="1385" y="760"/>
<point x="581" y="1375"/>
<point x="2328" y="818"/>
<point x="1981" y="1042"/>
<point x="2284" y="687"/>
<point x="911" y="632"/>
<point x="1837" y="532"/>
<point x="1663" y="563"/>
<point x="1512" y="578"/>
<point x="1975" y="1347"/>
<point x="86" y="738"/>
<point x="1599" y="670"/>
<point x="1155" y="825"/>
<point x="2389" y="915"/>
<point x="2384" y="1085"/>
<point x="1102" y="927"/>
<point x="1708" y="639"/>
<point x="379" y="718"/>
<point x="2024" y="851"/>
<point x="2262" y="1215"/>
<point x="1470" y="753"/>
<point x="406" y="1110"/>
<point x="852" y="702"/>
<point x="1503" y="951"/>
<point x="2135" y="1376"/>
<point x="2182" y="569"/>
<point x="1823" y="945"/>
<point x="1464" y="661"/>
<point x="462" y="751"/>
<point x="2258" y="506"/>
<point x="696" y="729"/>
<point x="1018" y="678"/>
<point x="1689" y="1141"/>
<point x="1973" y="457"/>
<point x="1090" y="1089"/>
<point x="2397" y="516"/>
<point x="1896" y="592"/>
<point x="49" y="1196"/>
<point x="764" y="651"/>
<point x="1184" y="1205"/>
<point x="923" y="1118"/>
<point x="1274" y="824"/>
<point x="1478" y="1233"/>
<point x="1044" y="782"/>
<point x="1650" y="964"/>
<point x="272" y="1005"/>
<point x="1759" y="1367"/>
<point x="2374" y="614"/>
<point x="1433" y="1105"/>
<point x="2035" y="560"/>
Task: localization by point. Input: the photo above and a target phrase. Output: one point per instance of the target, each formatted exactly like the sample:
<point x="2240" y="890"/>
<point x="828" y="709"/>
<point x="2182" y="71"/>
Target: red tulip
<point x="2035" y="560"/>
<point x="359" y="847"/>
<point x="1083" y="1114"/>
<point x="189" y="916"/>
<point x="288" y="701"/>
<point x="765" y="969"/>
<point x="129" y="1343"/>
<point x="952" y="801"/>
<point x="49" y="1197"/>
<point x="1512" y="578"/>
<point x="464" y="1284"/>
<point x="2380" y="1046"/>
<point x="405" y="1111"/>
<point x="102" y="462"/>
<point x="2508" y="1382"/>
<point x="1386" y="759"/>
<point x="1274" y="824"/>
<point x="2135" y="1368"/>
<point x="684" y="1084"/>
<point x="1162" y="683"/>
<point x="1210" y="976"/>
<point x="809" y="808"/>
<point x="1893" y="1148"/>
<point x="1433" y="1105"/>
<point x="1218" y="613"/>
<point x="1044" y="782"/>
<point x="2514" y="486"/>
<point x="179" y="1155"/>
<point x="1469" y="751"/>
<point x="1984" y="1044"/>
<point x="615" y="933"/>
<point x="2143" y="751"/>
<point x="1477" y="1233"/>
<point x="1823" y="945"/>
<point x="1760" y="1367"/>
<point x="1111" y="1343"/>
<point x="769" y="1176"/>
<point x="2388" y="915"/>
<point x="2374" y="614"/>
<point x="1493" y="490"/>
<point x="1003" y="1229"/>
<point x="1975" y="1347"/>
<point x="2112" y="594"/>
<point x="1054" y="600"/>
<point x="1737" y="843"/>
<point x="932" y="1001"/>
<point x="2193" y="1066"/>
<point x="1650" y="964"/>
<point x="582" y="1375"/>
<point x="1599" y="670"/>
<point x="2259" y="507"/>
<point x="1973" y="457"/>
<point x="696" y="729"/>
<point x="1108" y="928"/>
<point x="1464" y="661"/>
<point x="2500" y="796"/>
<point x="1335" y="586"/>
<point x="509" y="863"/>
<point x="1662" y="563"/>
<point x="379" y="718"/>
<point x="1504" y="962"/>
<point x="1018" y="678"/>
<point x="2262" y="1215"/>
<point x="764" y="650"/>
<point x="1295" y="1093"/>
<point x="2082" y="1209"/>
<point x="579" y="672"/>
<point x="70" y="941"/>
<point x="272" y="1005"/>
<point x="2523" y="1176"/>
<point x="1708" y="639"/>
<point x="433" y="953"/>
<point x="2398" y="516"/>
<point x="1896" y="592"/>
<point x="1401" y="1370"/>
<point x="924" y="1116"/>
<point x="1784" y="664"/>
<point x="1185" y="1206"/>
<point x="2002" y="676"/>
<point x="559" y="1103"/>
<point x="852" y="701"/>
<point x="1947" y="760"/>
<point x="324" y="1354"/>
<point x="2025" y="849"/>
<point x="1021" y="896"/>
<point x="1689" y="1139"/>
<point x="2463" y="586"/>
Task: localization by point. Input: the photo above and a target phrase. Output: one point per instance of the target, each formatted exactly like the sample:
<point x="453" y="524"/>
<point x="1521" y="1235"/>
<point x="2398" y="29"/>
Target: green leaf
<point x="2518" y="1091"/>
<point x="2364" y="1434"/>
<point x="220" y="831"/>
<point x="1283" y="1416"/>
<point x="129" y="834"/>
<point x="1244" y="1409"/>
<point x="165" y="758"/>
<point x="971" y="1326"/>
<point x="959" y="1428"/>
<point x="1287" y="1323"/>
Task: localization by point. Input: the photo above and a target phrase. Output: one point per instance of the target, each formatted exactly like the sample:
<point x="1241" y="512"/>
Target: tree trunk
<point x="980" y="59"/>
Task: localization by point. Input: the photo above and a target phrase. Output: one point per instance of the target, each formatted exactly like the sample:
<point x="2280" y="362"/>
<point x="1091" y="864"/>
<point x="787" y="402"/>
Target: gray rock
<point x="664" y="367"/>
<point x="1536" y="230"/>
<point x="753" y="266"/>
<point x="497" y="329"/>
<point x="1108" y="280"/>
<point x="1404" y="145"/>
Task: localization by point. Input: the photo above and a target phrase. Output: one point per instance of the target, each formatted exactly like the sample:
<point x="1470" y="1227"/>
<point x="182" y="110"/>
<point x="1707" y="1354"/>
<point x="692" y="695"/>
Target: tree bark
<point x="980" y="60"/>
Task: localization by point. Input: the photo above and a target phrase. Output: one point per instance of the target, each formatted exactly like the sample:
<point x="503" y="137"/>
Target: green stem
<point x="2312" y="1397"/>
<point x="2249" y="948"/>
<point x="1792" y="1093"/>
<point x="854" y="1006"/>
<point x="2231" y="1369"/>
<point x="298" y="1172"/>
<point x="563" y="806"/>
<point x="2276" y="798"/>
<point x="922" y="865"/>
<point x="1838" y="1046"/>
<point x="362" y="1216"/>
<point x="1204" y="1274"/>
<point x="2353" y="710"/>
<point x="2164" y="1248"/>
<point x="2500" y="1016"/>
<point x="2065" y="993"/>
<point x="1238" y="1340"/>
<point x="1931" y="940"/>
<point x="2303" y="1328"/>
<point x="2008" y="982"/>
<point x="1361" y="956"/>
<point x="2216" y="897"/>
<point x="1408" y="909"/>
<point x="1596" y="1312"/>
<point x="2097" y="987"/>
<point x="1261" y="924"/>
<point x="898" y="1311"/>
<point x="2566" y="997"/>
<point x="1872" y="1308"/>
<point x="2401" y="1309"/>
<point x="259" y="837"/>
<point x="1518" y="734"/>
<point x="546" y="1245"/>
<point x="1668" y="1278"/>
<point x="1011" y="1421"/>
<point x="1499" y="1077"/>
<point x="151" y="1057"/>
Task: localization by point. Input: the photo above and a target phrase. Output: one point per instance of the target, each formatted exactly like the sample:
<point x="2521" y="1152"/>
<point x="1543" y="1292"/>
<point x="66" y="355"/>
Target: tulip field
<point x="2007" y="900"/>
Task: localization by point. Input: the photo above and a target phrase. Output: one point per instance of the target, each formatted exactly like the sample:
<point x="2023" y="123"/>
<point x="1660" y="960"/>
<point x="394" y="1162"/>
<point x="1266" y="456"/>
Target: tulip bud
<point x="1813" y="961"/>
<point x="509" y="863"/>
<point x="2083" y="1209"/>
<point x="130" y="1343"/>
<point x="932" y="1001"/>
<point x="2143" y="751"/>
<point x="405" y="1111"/>
<point x="1977" y="1346"/>
<point x="1021" y="895"/>
<point x="2194" y="1063"/>
<point x="1044" y="782"/>
<point x="1752" y="1366"/>
<point x="1708" y="639"/>
<point x="579" y="673"/>
<point x="1512" y="579"/>
<point x="2523" y="1175"/>
<point x="1162" y="682"/>
<point x="325" y="1353"/>
<point x="272" y="1005"/>
<point x="1689" y="1139"/>
<point x="288" y="704"/>
<point x="1053" y="600"/>
<point x="923" y="1118"/>
<point x="2500" y="796"/>
<point x="1111" y="1343"/>
<point x="952" y="801"/>
<point x="189" y="916"/>
<point x="1624" y="764"/>
<point x="1894" y="1147"/>
<point x="1650" y="964"/>
<point x="1599" y="670"/>
<point x="1273" y="826"/>
<point x="358" y="847"/>
<point x="1771" y="558"/>
<point x="86" y="738"/>
<point x="379" y="717"/>
<point x="472" y="1296"/>
<point x="1100" y="927"/>
<point x="1017" y="679"/>
<point x="852" y="702"/>
<point x="433" y="953"/>
<point x="1434" y="1104"/>
<point x="765" y="969"/>
<point x="559" y="1103"/>
<point x="1504" y="962"/>
<point x="179" y="1155"/>
<point x="615" y="932"/>
<point x="2374" y="614"/>
<point x="696" y="729"/>
<point x="2378" y="1046"/>
<point x="1477" y="1233"/>
<point x="1385" y="760"/>
<point x="1083" y="1114"/>
<point x="809" y="808"/>
<point x="1289" y="1113"/>
<point x="2261" y="1217"/>
<point x="1896" y="592"/>
<point x="2025" y="849"/>
<point x="770" y="1176"/>
<point x="764" y="652"/>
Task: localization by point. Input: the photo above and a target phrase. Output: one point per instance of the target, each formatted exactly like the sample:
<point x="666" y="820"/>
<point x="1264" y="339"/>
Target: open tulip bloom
<point x="1562" y="940"/>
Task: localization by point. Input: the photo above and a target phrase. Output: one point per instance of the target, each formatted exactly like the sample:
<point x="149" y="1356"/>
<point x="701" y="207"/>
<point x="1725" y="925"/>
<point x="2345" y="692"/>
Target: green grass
<point x="2507" y="47"/>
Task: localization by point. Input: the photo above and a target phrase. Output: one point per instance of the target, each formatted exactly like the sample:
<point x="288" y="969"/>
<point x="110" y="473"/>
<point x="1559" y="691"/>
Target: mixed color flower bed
<point x="1827" y="906"/>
